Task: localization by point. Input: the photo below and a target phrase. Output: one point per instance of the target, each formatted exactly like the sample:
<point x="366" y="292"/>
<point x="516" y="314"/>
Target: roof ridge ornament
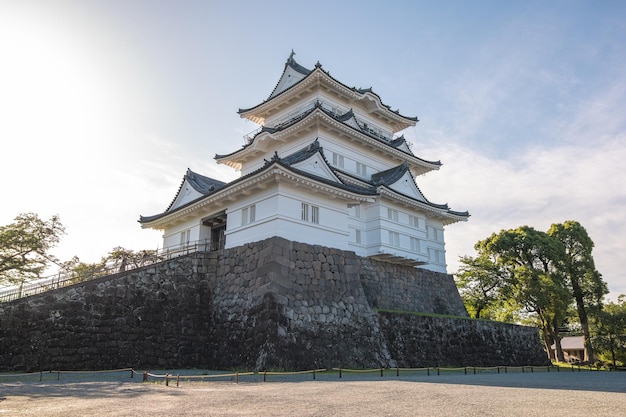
<point x="290" y="59"/>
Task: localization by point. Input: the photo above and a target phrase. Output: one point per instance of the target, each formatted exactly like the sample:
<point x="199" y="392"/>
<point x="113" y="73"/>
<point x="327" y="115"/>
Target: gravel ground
<point x="450" y="394"/>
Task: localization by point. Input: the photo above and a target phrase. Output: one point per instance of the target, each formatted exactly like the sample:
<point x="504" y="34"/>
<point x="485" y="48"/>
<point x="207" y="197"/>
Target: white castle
<point x="326" y="167"/>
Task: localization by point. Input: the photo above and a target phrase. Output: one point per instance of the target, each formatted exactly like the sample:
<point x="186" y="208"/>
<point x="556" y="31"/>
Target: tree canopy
<point x="540" y="273"/>
<point x="25" y="246"/>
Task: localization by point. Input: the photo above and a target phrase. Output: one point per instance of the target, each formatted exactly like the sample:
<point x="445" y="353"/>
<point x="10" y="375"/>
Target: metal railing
<point x="66" y="278"/>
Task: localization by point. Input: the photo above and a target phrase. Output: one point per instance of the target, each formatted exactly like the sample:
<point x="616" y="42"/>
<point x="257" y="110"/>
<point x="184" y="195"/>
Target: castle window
<point x="361" y="169"/>
<point x="394" y="239"/>
<point x="416" y="222"/>
<point x="185" y="236"/>
<point x="337" y="160"/>
<point x="436" y="256"/>
<point x="435" y="234"/>
<point x="357" y="236"/>
<point x="415" y="244"/>
<point x="248" y="214"/>
<point x="392" y="214"/>
<point x="310" y="213"/>
<point x="305" y="212"/>
<point x="315" y="214"/>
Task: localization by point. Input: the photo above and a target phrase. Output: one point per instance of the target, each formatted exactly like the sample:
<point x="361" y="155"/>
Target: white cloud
<point x="537" y="187"/>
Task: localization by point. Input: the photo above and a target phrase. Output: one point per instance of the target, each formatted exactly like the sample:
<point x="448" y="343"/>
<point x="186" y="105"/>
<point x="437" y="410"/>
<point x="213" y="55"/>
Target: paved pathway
<point x="455" y="394"/>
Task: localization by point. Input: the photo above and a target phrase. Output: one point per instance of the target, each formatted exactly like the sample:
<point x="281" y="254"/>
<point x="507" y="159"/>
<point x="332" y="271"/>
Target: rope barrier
<point x="314" y="372"/>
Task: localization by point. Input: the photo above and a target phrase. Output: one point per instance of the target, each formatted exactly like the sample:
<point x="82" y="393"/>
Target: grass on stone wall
<point x="417" y="313"/>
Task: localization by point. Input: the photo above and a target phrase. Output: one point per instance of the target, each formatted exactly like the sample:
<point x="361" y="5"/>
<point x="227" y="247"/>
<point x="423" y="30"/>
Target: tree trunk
<point x="554" y="332"/>
<point x="546" y="342"/>
<point x="584" y="321"/>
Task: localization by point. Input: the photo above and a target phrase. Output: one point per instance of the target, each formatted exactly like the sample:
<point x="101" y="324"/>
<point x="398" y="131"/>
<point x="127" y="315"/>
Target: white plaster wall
<point x="377" y="226"/>
<point x="171" y="237"/>
<point x="279" y="214"/>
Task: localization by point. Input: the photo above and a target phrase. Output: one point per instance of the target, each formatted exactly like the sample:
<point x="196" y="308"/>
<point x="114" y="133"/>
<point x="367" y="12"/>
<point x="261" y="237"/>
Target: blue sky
<point x="105" y="104"/>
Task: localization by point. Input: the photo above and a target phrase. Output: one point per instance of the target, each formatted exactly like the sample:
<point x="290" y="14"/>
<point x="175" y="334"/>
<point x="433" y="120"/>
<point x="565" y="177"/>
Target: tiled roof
<point x="571" y="343"/>
<point x="284" y="162"/>
<point x="299" y="68"/>
<point x="398" y="141"/>
<point x="303" y="154"/>
<point x="342" y="118"/>
<point x="200" y="183"/>
<point x="390" y="176"/>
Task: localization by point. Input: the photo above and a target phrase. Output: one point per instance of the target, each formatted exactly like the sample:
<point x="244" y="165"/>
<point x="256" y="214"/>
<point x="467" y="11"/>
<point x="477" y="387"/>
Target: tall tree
<point x="578" y="269"/>
<point x="530" y="258"/>
<point x="25" y="246"/>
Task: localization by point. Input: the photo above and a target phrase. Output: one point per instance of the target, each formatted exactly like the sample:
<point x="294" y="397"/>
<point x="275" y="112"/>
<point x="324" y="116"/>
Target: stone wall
<point x="273" y="304"/>
<point x="398" y="287"/>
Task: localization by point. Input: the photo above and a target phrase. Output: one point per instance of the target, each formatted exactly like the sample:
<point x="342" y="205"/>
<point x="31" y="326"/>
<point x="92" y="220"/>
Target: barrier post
<point x="465" y="370"/>
<point x="532" y="370"/>
<point x="177" y="380"/>
<point x="236" y="377"/>
<point x="437" y="370"/>
<point x="265" y="376"/>
<point x="167" y="380"/>
<point x="145" y="376"/>
<point x="498" y="368"/>
<point x="313" y="374"/>
<point x="132" y="374"/>
<point x="428" y="370"/>
<point x="339" y="372"/>
<point x="523" y="369"/>
<point x="381" y="372"/>
<point x="397" y="371"/>
<point x="474" y="370"/>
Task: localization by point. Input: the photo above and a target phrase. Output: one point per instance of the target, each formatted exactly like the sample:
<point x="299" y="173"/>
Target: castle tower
<point x="327" y="166"/>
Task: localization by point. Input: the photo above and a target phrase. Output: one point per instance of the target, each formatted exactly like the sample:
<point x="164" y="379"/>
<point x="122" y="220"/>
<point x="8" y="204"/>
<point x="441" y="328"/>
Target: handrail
<point x="66" y="278"/>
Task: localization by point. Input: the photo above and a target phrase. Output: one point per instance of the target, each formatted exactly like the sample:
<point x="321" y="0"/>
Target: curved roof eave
<point x="356" y="93"/>
<point x="441" y="209"/>
<point x="435" y="165"/>
<point x="355" y="191"/>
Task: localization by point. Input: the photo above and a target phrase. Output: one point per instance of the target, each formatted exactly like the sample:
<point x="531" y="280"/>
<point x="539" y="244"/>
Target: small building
<point x="573" y="348"/>
<point x="327" y="166"/>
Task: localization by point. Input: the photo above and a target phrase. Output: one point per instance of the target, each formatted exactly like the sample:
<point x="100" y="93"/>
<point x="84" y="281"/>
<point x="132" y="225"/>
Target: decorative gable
<point x="406" y="185"/>
<point x="193" y="187"/>
<point x="311" y="160"/>
<point x="292" y="74"/>
<point x="399" y="179"/>
<point x="316" y="165"/>
<point x="185" y="195"/>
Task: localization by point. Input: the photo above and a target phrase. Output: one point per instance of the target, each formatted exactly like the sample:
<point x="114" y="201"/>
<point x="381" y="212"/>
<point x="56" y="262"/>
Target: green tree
<point x="25" y="246"/>
<point x="78" y="271"/>
<point x="529" y="258"/>
<point x="611" y="330"/>
<point x="117" y="260"/>
<point x="578" y="269"/>
<point x="480" y="281"/>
